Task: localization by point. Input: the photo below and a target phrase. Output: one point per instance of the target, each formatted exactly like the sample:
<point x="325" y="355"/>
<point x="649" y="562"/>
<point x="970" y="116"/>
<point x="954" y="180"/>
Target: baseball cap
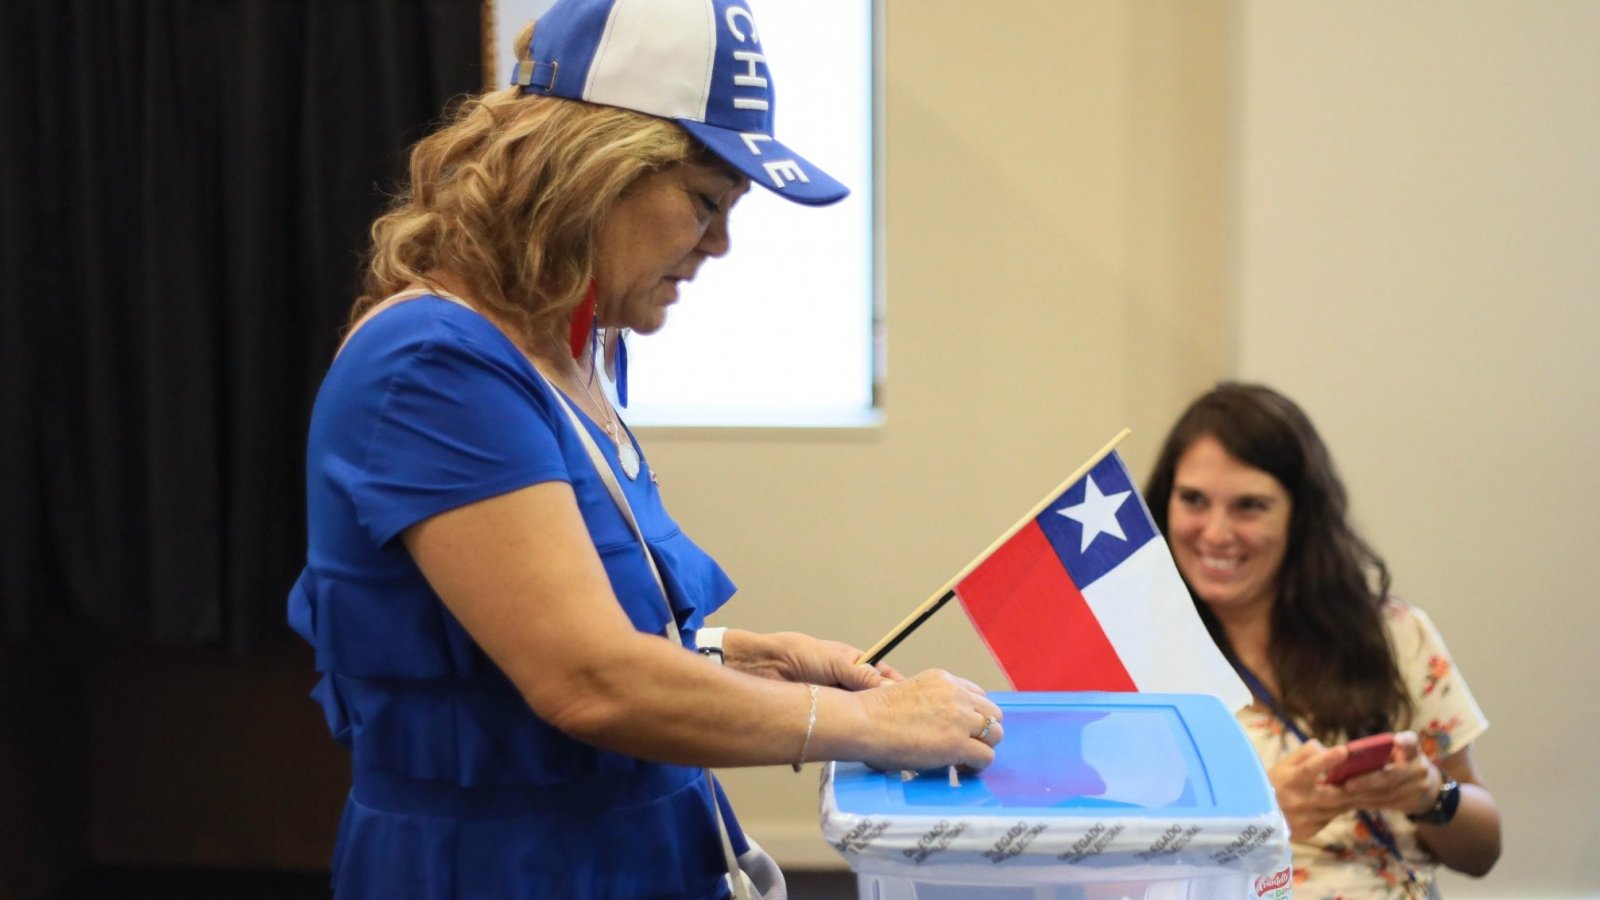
<point x="696" y="62"/>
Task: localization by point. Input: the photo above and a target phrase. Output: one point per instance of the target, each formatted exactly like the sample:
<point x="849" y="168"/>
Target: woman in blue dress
<point x="504" y="614"/>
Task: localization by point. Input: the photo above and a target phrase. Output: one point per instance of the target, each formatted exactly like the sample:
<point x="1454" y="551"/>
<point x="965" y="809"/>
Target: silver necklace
<point x="626" y="454"/>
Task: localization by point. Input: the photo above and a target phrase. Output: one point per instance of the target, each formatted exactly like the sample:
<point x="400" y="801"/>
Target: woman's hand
<point x="792" y="656"/>
<point x="1409" y="783"/>
<point x="932" y="720"/>
<point x="1307" y="801"/>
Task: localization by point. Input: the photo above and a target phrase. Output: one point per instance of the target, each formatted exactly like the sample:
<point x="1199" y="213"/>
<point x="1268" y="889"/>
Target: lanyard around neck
<point x="1259" y="688"/>
<point x="1378" y="828"/>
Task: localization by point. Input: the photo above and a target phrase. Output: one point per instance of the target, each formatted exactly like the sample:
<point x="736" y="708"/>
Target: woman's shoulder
<point x="1400" y="613"/>
<point x="1405" y="619"/>
<point x="1408" y="627"/>
<point x="1445" y="714"/>
<point x="430" y="348"/>
<point x="425" y="321"/>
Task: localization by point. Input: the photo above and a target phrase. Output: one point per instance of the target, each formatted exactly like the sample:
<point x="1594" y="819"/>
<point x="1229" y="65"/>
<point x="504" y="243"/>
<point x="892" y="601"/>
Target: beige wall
<point x="1419" y="263"/>
<point x="1094" y="209"/>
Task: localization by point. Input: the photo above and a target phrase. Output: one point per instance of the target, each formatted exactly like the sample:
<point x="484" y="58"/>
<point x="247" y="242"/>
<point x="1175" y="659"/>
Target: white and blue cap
<point x="696" y="62"/>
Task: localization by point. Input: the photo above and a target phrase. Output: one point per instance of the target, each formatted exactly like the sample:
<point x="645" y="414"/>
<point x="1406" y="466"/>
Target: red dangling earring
<point x="583" y="323"/>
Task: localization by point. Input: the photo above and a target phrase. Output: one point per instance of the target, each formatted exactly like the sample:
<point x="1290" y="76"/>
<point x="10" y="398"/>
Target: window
<point x="781" y="331"/>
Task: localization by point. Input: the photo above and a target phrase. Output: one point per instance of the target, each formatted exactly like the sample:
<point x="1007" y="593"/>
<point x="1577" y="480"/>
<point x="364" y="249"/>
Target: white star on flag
<point x="1097" y="513"/>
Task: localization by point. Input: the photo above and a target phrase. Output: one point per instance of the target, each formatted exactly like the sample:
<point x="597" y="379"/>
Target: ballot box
<point x="1091" y="795"/>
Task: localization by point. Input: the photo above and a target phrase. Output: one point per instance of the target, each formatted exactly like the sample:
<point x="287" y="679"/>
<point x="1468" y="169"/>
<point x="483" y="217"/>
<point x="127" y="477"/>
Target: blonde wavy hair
<point x="506" y="195"/>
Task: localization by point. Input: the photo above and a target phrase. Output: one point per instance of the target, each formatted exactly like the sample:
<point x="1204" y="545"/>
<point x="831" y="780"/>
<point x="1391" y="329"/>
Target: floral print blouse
<point x="1344" y="861"/>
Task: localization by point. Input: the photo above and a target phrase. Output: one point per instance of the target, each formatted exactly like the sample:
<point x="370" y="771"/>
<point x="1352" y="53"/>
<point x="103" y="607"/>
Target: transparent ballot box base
<point x="1222" y="887"/>
<point x="1093" y="796"/>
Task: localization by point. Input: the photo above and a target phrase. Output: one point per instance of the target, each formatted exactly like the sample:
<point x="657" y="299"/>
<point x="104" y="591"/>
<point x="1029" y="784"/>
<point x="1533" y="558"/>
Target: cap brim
<point x="770" y="164"/>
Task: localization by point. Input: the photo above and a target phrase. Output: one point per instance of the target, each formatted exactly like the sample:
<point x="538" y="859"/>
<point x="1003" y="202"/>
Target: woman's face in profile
<point x="1228" y="525"/>
<point x="661" y="230"/>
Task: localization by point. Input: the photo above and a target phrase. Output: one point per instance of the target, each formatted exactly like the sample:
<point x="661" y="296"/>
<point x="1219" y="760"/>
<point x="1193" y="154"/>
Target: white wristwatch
<point x="709" y="642"/>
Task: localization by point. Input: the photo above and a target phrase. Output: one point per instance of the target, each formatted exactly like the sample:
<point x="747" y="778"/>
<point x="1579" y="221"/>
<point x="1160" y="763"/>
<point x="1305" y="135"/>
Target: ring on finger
<point x="989" y="722"/>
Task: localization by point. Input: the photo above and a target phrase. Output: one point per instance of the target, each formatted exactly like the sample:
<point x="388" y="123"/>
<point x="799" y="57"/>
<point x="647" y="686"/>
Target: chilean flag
<point x="1086" y="597"/>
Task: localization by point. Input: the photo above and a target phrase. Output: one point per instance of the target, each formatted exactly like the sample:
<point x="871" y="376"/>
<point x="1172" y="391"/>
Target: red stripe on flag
<point x="1035" y="621"/>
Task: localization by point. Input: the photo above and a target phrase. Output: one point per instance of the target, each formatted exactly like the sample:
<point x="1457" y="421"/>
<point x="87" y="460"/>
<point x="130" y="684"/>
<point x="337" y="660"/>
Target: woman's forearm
<point x="1469" y="842"/>
<point x="655" y="701"/>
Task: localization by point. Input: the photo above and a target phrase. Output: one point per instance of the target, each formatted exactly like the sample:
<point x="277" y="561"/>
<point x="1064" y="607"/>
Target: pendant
<point x="629" y="458"/>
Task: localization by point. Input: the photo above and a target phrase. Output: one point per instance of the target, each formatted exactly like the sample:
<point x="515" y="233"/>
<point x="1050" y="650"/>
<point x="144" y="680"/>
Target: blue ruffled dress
<point x="459" y="790"/>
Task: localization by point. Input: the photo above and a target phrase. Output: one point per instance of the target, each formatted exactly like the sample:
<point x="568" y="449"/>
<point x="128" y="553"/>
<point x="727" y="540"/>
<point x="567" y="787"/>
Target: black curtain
<point x="185" y="188"/>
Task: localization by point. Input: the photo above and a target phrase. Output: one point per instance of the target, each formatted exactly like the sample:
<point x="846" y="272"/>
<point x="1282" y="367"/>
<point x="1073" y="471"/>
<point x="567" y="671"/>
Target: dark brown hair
<point x="1329" y="648"/>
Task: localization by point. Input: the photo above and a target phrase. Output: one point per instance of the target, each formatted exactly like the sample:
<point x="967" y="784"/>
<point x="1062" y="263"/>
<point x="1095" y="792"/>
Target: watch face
<point x="1449" y="799"/>
<point x="1444" y="808"/>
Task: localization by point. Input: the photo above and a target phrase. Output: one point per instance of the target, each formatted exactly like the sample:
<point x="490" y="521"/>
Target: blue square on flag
<point x="1098" y="522"/>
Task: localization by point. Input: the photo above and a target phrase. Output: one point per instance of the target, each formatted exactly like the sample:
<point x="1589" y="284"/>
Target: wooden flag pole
<point x="933" y="604"/>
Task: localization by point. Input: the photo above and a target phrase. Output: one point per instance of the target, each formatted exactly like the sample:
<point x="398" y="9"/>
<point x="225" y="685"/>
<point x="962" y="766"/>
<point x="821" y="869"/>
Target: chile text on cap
<point x="696" y="62"/>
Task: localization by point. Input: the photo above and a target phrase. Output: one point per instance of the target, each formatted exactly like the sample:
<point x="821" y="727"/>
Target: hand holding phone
<point x="1366" y="755"/>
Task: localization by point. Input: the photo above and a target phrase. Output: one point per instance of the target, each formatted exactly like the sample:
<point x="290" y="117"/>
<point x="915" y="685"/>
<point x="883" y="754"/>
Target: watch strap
<point x="709" y="642"/>
<point x="1444" y="807"/>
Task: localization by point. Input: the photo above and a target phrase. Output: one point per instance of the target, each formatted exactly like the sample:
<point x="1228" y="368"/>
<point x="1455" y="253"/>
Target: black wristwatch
<point x="1444" y="808"/>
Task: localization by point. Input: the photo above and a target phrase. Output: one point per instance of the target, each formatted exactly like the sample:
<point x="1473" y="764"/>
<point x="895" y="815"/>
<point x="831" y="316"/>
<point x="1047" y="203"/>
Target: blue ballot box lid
<point x="1089" y="754"/>
<point x="1081" y="781"/>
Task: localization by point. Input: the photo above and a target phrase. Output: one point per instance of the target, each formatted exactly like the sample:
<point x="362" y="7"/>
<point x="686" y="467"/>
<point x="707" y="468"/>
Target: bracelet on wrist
<point x="811" y="725"/>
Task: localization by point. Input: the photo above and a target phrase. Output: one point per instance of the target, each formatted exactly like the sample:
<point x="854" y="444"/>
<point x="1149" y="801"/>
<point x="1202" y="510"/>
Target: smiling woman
<point x="1258" y="523"/>
<point x="1228" y="524"/>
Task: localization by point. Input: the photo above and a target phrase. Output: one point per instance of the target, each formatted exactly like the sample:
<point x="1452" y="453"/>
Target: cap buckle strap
<point x="547" y="87"/>
<point x="527" y="74"/>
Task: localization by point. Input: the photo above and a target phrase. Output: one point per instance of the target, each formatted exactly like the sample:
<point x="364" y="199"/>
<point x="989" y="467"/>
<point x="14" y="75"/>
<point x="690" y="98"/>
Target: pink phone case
<point x="1366" y="754"/>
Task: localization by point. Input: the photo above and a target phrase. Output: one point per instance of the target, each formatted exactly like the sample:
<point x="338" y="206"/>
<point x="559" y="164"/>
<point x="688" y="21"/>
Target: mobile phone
<point x="1366" y="755"/>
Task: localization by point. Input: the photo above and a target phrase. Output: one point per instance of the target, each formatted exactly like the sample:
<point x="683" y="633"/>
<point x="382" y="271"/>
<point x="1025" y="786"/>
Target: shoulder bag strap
<point x="736" y="877"/>
<point x="615" y="489"/>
